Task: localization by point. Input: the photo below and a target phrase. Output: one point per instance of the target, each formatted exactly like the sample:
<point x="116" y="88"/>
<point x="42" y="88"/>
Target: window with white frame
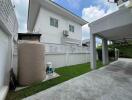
<point x="54" y="22"/>
<point x="71" y="28"/>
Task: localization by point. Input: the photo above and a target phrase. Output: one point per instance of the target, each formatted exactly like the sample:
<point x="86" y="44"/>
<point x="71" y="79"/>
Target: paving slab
<point x="112" y="82"/>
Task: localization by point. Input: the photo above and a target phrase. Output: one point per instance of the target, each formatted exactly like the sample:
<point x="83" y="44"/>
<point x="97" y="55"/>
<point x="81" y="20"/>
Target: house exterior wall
<point x="60" y="50"/>
<point x="8" y="28"/>
<point x="4" y="57"/>
<point x="52" y="34"/>
<point x="8" y="20"/>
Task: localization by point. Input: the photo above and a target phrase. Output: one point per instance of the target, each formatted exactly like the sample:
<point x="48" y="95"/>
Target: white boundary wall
<point x="66" y="55"/>
<point x="62" y="55"/>
<point x="60" y="60"/>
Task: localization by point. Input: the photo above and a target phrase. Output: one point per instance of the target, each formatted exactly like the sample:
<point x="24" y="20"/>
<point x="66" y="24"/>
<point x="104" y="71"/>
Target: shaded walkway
<point x="113" y="82"/>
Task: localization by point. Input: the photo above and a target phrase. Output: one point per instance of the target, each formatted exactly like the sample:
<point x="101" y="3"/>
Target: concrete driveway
<point x="112" y="82"/>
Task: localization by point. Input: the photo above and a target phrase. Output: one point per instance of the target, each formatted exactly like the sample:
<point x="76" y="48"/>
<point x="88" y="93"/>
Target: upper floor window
<point x="71" y="28"/>
<point x="54" y="22"/>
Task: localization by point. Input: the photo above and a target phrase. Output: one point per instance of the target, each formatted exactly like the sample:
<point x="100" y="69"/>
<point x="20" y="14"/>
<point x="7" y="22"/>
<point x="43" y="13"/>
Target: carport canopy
<point x="115" y="27"/>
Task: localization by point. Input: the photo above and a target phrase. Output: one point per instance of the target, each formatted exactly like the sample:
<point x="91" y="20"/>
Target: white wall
<point x="52" y="34"/>
<point x="61" y="55"/>
<point x="66" y="55"/>
<point x="5" y="57"/>
<point x="60" y="60"/>
<point x="8" y="28"/>
<point x="8" y="19"/>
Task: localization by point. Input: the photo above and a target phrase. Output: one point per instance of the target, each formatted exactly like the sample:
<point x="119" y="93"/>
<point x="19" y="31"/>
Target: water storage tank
<point x="31" y="62"/>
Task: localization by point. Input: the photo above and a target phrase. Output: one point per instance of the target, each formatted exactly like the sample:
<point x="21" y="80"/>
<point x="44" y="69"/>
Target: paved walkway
<point x="113" y="82"/>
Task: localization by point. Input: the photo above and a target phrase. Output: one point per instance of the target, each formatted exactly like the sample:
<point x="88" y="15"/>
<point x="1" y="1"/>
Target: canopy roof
<point x="116" y="26"/>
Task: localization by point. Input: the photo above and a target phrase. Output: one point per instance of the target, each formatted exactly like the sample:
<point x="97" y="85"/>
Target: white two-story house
<point x="60" y="30"/>
<point x="53" y="22"/>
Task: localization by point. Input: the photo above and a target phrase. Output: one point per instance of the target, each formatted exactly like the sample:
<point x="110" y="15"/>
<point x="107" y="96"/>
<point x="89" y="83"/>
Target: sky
<point x="89" y="10"/>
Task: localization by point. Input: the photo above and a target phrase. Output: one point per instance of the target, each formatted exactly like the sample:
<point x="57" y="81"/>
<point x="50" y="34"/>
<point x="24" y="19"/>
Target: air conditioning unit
<point x="65" y="33"/>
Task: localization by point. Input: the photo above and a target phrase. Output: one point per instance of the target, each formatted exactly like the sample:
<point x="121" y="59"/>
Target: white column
<point x="105" y="57"/>
<point x="93" y="51"/>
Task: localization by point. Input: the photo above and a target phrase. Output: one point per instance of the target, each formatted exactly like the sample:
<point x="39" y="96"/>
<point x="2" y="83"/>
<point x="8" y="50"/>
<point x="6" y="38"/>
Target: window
<point x="54" y="22"/>
<point x="71" y="28"/>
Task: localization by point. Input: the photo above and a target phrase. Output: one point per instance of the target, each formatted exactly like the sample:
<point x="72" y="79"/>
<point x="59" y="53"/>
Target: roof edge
<point x="69" y="11"/>
<point x="30" y="28"/>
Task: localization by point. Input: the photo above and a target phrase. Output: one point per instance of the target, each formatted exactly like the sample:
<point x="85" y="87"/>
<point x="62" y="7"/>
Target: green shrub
<point x="111" y="53"/>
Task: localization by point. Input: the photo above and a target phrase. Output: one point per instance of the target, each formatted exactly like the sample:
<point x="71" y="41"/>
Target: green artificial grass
<point x="65" y="73"/>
